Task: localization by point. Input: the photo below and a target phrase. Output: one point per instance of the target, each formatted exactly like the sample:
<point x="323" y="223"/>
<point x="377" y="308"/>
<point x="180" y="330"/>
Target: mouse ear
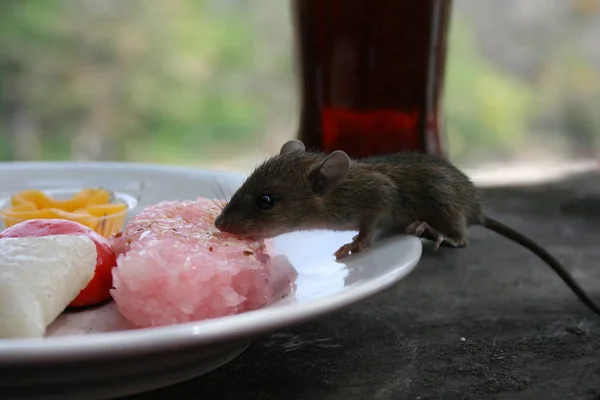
<point x="292" y="145"/>
<point x="330" y="172"/>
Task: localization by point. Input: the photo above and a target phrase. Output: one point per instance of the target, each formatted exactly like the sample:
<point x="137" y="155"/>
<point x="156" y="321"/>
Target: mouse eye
<point x="265" y="201"/>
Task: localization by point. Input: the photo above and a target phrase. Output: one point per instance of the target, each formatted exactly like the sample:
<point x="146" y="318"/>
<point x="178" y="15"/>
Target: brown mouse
<point x="404" y="193"/>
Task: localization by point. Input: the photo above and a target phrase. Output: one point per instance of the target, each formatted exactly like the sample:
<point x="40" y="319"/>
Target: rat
<point x="406" y="193"/>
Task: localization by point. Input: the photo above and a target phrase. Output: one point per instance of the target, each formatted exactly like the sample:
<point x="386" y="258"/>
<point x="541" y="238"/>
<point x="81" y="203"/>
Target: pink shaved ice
<point x="174" y="266"/>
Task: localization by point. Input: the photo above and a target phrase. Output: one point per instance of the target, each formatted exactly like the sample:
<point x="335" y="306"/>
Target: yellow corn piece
<point x="88" y="220"/>
<point x="32" y="214"/>
<point x="85" y="193"/>
<point x="41" y="200"/>
<point x="37" y="197"/>
<point x="94" y="196"/>
<point x="112" y="217"/>
<point x="99" y="198"/>
<point x="91" y="207"/>
<point x="69" y="205"/>
<point x="106" y="209"/>
<point x="27" y="206"/>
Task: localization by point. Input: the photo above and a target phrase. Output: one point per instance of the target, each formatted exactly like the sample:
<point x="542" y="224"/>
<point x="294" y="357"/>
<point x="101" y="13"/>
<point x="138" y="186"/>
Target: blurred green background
<point x="213" y="82"/>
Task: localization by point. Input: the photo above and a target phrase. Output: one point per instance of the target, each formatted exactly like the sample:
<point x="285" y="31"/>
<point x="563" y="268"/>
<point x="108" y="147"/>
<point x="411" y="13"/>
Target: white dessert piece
<point x="39" y="277"/>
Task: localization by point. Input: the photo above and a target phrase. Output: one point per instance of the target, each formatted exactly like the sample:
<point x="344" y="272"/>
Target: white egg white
<point x="39" y="277"/>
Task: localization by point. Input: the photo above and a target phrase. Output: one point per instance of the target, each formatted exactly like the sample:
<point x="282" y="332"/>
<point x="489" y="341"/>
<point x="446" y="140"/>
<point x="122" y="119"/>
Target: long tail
<point x="539" y="251"/>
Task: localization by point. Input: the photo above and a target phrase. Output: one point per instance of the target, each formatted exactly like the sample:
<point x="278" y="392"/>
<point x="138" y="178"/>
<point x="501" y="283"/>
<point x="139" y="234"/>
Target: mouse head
<point x="284" y="194"/>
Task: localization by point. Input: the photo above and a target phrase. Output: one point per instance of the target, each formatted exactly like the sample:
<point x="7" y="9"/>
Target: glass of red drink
<point x="371" y="74"/>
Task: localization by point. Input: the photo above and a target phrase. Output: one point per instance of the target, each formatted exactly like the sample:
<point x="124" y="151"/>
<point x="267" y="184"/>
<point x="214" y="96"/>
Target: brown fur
<point x="392" y="191"/>
<point x="409" y="193"/>
<point x="433" y="190"/>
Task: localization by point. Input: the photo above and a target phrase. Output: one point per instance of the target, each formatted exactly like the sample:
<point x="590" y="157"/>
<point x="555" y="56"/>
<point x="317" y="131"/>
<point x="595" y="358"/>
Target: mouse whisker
<point x="227" y="194"/>
<point x="217" y="200"/>
<point x="216" y="203"/>
<point x="221" y="194"/>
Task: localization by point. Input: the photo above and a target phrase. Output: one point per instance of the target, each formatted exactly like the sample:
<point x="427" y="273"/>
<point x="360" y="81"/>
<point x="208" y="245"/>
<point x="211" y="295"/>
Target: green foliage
<point x="144" y="72"/>
<point x="569" y="98"/>
<point x="485" y="109"/>
<point x="158" y="80"/>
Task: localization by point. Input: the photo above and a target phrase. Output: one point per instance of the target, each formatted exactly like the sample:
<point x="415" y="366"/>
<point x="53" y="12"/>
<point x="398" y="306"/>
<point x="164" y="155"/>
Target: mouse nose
<point x="224" y="224"/>
<point x="220" y="223"/>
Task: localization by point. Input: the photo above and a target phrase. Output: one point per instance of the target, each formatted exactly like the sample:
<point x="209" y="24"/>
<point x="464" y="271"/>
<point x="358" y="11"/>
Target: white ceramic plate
<point x="93" y="354"/>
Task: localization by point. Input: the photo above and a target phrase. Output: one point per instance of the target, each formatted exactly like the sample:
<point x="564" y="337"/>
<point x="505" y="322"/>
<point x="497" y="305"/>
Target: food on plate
<point x="39" y="277"/>
<point x="174" y="266"/>
<point x="98" y="289"/>
<point x="92" y="207"/>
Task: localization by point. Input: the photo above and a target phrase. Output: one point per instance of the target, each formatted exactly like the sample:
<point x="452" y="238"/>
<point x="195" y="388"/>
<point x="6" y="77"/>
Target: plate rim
<point x="194" y="333"/>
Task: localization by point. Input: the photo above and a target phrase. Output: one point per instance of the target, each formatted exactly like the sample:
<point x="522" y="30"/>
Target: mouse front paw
<point x="356" y="246"/>
<point x="343" y="251"/>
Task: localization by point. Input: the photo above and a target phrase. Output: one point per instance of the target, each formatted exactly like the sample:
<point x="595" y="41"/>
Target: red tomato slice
<point x="98" y="290"/>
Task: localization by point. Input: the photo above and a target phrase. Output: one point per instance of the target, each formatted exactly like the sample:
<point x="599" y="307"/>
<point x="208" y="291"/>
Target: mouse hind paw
<point x="423" y="230"/>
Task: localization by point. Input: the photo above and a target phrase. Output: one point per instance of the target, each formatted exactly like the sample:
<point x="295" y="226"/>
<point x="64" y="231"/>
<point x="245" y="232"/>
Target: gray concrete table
<point x="488" y="322"/>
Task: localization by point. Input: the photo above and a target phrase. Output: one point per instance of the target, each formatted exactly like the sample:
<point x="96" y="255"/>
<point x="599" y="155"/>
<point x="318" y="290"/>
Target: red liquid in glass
<point x="371" y="74"/>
